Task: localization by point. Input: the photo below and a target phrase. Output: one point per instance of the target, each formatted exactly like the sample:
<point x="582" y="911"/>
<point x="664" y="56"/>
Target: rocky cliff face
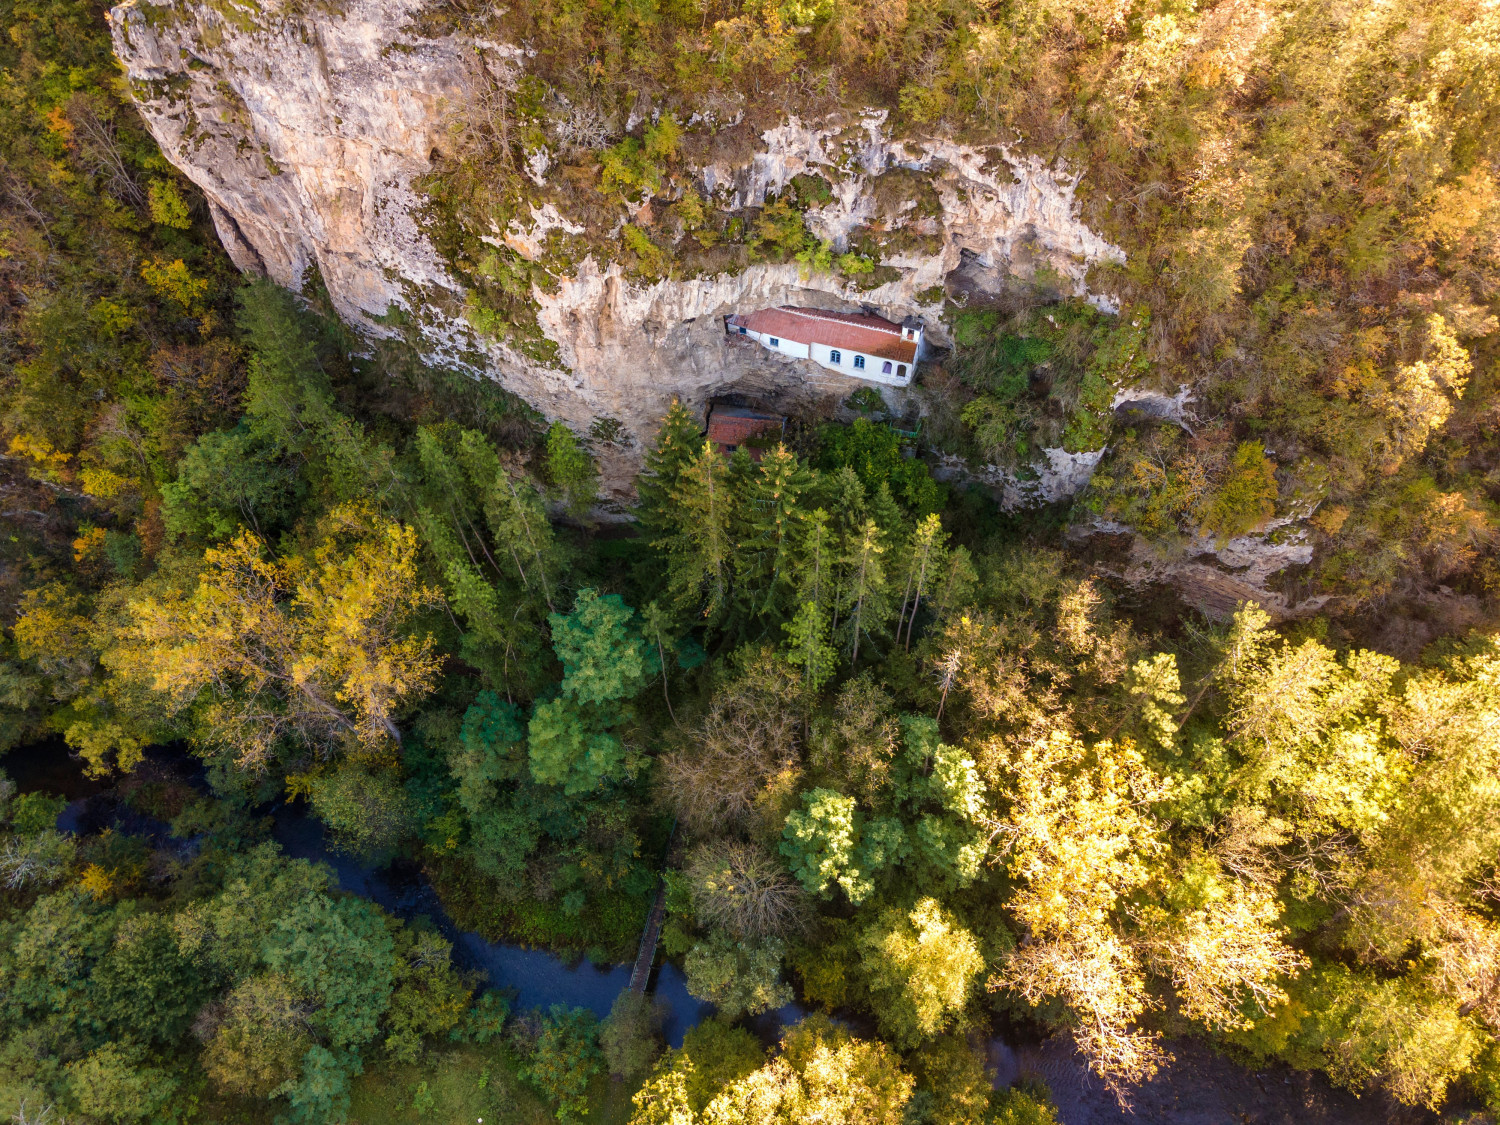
<point x="309" y="129"/>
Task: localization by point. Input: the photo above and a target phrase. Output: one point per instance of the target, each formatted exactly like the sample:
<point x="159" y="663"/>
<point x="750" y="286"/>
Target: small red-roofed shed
<point x="730" y="427"/>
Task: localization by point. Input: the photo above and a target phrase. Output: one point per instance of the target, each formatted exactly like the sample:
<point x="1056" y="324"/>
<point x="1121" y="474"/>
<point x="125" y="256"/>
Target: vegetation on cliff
<point x="928" y="771"/>
<point x="1303" y="192"/>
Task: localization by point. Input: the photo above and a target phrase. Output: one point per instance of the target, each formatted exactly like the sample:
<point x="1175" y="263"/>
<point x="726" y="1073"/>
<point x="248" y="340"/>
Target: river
<point x="536" y="978"/>
<point x="1199" y="1087"/>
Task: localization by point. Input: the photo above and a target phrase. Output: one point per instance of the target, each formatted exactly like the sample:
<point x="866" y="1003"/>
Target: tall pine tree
<point x="923" y="559"/>
<point x="866" y="606"/>
<point x="769" y="528"/>
<point x="696" y="536"/>
<point x="677" y="444"/>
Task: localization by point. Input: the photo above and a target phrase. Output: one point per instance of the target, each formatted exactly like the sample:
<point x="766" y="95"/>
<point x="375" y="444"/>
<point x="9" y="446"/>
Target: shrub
<point x="1246" y="498"/>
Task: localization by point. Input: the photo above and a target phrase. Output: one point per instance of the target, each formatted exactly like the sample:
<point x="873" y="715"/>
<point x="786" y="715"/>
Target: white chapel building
<point x="861" y="344"/>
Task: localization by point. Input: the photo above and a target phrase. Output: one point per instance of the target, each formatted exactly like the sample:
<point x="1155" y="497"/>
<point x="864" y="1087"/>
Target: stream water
<point x="537" y="978"/>
<point x="1199" y="1088"/>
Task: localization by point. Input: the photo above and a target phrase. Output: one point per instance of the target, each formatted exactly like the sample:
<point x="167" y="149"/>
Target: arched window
<point x="859" y="362"/>
<point x="901" y="372"/>
<point x="885" y="368"/>
<point x="835" y="356"/>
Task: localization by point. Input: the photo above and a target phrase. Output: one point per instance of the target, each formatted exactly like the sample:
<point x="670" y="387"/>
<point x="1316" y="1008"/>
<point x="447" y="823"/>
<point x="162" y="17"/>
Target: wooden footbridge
<point x="640" y="976"/>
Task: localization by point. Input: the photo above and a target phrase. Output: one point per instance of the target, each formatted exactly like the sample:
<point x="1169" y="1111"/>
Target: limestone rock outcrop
<point x="309" y="132"/>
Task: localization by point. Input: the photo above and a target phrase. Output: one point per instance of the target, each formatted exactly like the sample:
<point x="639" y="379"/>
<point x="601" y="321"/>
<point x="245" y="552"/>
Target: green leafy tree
<point x="321" y="1094"/>
<point x="261" y="1041"/>
<point x="713" y="1055"/>
<point x="144" y="989"/>
<point x="605" y="661"/>
<point x="488" y="760"/>
<point x="739" y="976"/>
<point x="340" y="954"/>
<point x="430" y="999"/>
<point x="111" y="1084"/>
<point x="367" y="810"/>
<point x="226" y="481"/>
<point x="1021" y="1107"/>
<point x="953" y="1075"/>
<point x="570" y="469"/>
<point x="921" y="967"/>
<point x="628" y="1038"/>
<point x="820" y="840"/>
<point x="34" y="813"/>
<point x="565" y="750"/>
<point x="564" y="1058"/>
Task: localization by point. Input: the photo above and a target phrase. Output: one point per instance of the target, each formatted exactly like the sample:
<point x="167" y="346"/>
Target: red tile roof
<point x="856" y="332"/>
<point x="734" y="426"/>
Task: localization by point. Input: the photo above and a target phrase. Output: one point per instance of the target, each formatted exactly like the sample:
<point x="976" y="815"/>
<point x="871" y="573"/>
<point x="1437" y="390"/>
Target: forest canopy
<point x="926" y="766"/>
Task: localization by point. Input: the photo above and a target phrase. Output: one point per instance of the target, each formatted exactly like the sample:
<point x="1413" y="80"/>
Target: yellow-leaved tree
<point x="1422" y="396"/>
<point x="1221" y="955"/>
<point x="315" y="649"/>
<point x="1077" y="837"/>
<point x="823" y="1074"/>
<point x="1080" y="838"/>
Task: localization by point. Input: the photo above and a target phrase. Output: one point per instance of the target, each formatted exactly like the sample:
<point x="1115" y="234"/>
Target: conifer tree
<point x="494" y="547"/>
<point x="865" y="591"/>
<point x="289" y="399"/>
<point x="888" y="516"/>
<point x="698" y="543"/>
<point x="678" y="442"/>
<point x="448" y="500"/>
<point x="769" y="529"/>
<point x="816" y="559"/>
<point x="954" y="583"/>
<point x="808" y="647"/>
<point x="519" y="524"/>
<point x="847" y="505"/>
<point x="924" y="556"/>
